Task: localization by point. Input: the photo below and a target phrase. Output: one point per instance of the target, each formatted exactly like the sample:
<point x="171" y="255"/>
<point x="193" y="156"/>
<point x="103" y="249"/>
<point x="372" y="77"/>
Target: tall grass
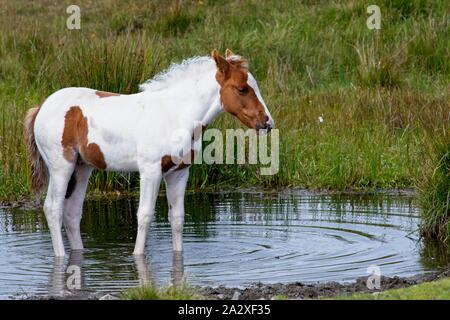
<point x="435" y="195"/>
<point x="382" y="94"/>
<point x="152" y="292"/>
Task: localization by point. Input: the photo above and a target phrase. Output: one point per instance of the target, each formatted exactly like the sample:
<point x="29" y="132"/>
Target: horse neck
<point x="209" y="106"/>
<point x="201" y="94"/>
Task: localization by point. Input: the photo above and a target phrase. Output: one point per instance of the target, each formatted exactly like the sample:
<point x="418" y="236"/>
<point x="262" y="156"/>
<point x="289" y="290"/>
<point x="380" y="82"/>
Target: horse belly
<point x="118" y="149"/>
<point x="120" y="158"/>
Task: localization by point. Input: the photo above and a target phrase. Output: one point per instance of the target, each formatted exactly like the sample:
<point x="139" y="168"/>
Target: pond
<point x="231" y="239"/>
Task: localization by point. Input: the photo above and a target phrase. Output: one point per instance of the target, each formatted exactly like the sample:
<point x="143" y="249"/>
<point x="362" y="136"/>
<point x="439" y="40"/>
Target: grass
<point x="435" y="194"/>
<point x="383" y="94"/>
<point x="435" y="290"/>
<point x="151" y="292"/>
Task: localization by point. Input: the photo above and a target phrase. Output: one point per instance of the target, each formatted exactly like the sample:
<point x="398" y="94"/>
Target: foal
<point x="79" y="129"/>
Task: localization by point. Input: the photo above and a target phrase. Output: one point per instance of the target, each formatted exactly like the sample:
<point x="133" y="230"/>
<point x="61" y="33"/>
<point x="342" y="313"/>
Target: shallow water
<point x="231" y="239"/>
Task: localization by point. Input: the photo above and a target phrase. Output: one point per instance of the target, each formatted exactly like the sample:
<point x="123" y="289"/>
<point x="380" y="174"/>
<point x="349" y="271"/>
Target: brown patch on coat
<point x="75" y="140"/>
<point x="104" y="94"/>
<point x="187" y="160"/>
<point x="167" y="162"/>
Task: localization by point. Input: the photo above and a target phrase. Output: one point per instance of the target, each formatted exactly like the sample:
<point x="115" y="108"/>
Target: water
<point x="231" y="239"/>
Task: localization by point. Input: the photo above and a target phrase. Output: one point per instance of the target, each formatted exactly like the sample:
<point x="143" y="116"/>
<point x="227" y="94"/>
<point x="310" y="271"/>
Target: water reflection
<point x="177" y="269"/>
<point x="143" y="270"/>
<point x="230" y="238"/>
<point x="68" y="280"/>
<point x="57" y="280"/>
<point x="144" y="273"/>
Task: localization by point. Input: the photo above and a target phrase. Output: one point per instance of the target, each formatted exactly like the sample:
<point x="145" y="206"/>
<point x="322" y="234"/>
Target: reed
<point x="435" y="193"/>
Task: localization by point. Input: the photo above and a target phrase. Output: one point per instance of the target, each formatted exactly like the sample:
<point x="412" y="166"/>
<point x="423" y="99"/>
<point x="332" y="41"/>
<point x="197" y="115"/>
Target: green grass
<point x="151" y="292"/>
<point x="436" y="290"/>
<point x="280" y="297"/>
<point x="435" y="194"/>
<point x="383" y="94"/>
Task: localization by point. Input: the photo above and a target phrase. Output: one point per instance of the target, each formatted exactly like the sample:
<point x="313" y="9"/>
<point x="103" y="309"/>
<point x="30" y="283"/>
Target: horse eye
<point x="243" y="90"/>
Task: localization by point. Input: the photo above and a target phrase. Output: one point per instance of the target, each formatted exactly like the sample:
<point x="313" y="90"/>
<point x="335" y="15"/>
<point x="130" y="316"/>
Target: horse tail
<point x="38" y="169"/>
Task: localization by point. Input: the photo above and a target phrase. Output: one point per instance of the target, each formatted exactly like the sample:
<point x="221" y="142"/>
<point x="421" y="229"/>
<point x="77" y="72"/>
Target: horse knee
<point x="177" y="222"/>
<point x="47" y="207"/>
<point x="53" y="213"/>
<point x="145" y="215"/>
<point x="72" y="223"/>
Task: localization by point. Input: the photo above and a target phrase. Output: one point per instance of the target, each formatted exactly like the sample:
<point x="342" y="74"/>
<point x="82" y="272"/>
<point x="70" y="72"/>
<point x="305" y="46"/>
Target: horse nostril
<point x="267" y="118"/>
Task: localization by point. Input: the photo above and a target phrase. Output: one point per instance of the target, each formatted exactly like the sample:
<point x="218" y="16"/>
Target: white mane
<point x="177" y="72"/>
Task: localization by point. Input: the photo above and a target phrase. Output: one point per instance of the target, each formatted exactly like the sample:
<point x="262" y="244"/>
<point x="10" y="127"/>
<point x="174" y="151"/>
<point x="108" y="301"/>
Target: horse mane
<point x="178" y="71"/>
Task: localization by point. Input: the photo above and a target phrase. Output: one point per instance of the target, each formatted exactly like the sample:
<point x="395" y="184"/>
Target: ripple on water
<point x="230" y="238"/>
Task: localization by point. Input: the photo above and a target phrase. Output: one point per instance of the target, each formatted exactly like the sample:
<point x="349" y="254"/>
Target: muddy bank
<point x="67" y="295"/>
<point x="300" y="290"/>
<point x="260" y="291"/>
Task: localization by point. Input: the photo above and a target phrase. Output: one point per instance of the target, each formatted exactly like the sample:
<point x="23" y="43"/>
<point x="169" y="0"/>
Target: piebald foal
<point x="79" y="129"/>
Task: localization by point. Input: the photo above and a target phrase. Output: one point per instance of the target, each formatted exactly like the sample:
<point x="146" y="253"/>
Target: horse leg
<point x="54" y="205"/>
<point x="176" y="186"/>
<point x="73" y="204"/>
<point x="150" y="179"/>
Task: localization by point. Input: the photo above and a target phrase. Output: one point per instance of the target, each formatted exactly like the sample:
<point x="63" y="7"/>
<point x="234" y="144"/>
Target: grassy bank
<point x="151" y="292"/>
<point x="435" y="193"/>
<point x="436" y="290"/>
<point x="383" y="95"/>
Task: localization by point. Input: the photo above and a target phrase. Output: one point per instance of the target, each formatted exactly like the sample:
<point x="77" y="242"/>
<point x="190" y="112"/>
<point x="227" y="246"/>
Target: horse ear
<point x="222" y="64"/>
<point x="228" y="53"/>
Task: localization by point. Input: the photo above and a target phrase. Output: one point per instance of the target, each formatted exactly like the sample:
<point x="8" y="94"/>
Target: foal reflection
<point x="177" y="275"/>
<point x="57" y="279"/>
<point x="144" y="271"/>
<point x="66" y="281"/>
